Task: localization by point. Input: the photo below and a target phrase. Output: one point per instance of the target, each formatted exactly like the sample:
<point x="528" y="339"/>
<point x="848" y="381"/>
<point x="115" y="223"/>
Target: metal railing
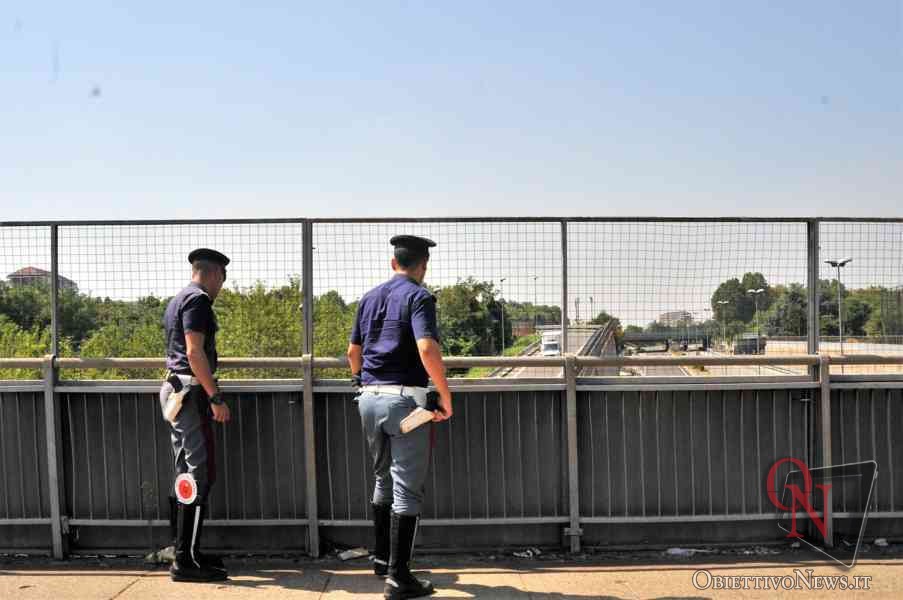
<point x="85" y="466"/>
<point x="88" y="460"/>
<point x="634" y="268"/>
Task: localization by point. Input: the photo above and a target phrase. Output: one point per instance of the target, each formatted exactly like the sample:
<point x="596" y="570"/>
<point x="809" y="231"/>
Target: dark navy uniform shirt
<point x="190" y="310"/>
<point x="390" y="319"/>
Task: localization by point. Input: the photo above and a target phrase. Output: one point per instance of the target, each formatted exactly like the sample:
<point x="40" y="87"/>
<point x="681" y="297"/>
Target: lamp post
<point x="535" y="277"/>
<point x="502" y="311"/>
<point x="723" y="324"/>
<point x="839" y="264"/>
<point x="755" y="293"/>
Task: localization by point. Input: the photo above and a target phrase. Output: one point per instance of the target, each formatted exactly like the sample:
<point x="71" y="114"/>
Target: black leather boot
<point x="382" y="530"/>
<point x="188" y="565"/>
<point x="209" y="560"/>
<point x="401" y="583"/>
<point x="173" y="520"/>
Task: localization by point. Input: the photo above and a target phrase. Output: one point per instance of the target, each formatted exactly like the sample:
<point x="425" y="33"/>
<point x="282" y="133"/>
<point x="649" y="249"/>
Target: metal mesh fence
<point x="496" y="283"/>
<point x="25" y="296"/>
<point x="672" y="286"/>
<point x="864" y="313"/>
<point x="122" y="276"/>
<point x="702" y="287"/>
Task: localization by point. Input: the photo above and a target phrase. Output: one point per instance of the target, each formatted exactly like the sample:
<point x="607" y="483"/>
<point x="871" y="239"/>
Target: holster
<point x="181" y="387"/>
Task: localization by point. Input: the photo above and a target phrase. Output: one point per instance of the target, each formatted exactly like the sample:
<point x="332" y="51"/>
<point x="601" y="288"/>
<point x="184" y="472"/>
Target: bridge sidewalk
<point x="623" y="577"/>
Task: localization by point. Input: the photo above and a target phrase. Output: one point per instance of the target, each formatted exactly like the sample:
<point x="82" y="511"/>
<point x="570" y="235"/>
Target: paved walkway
<point x="129" y="579"/>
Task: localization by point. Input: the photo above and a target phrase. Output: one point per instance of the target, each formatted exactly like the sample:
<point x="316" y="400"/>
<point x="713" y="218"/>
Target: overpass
<point x="693" y="335"/>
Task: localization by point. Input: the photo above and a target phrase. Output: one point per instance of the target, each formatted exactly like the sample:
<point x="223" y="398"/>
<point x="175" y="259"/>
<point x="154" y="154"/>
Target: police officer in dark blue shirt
<point x="189" y="400"/>
<point x="393" y="353"/>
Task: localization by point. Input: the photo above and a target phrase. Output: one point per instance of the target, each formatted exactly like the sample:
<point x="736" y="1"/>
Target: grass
<point x="514" y="350"/>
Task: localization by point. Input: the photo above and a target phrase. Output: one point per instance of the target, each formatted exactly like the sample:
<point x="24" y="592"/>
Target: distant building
<point x="675" y="318"/>
<point x="32" y="275"/>
<point x="521" y="328"/>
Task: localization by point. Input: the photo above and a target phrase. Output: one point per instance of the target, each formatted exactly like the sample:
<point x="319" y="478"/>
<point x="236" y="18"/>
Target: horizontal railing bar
<point x="294" y="362"/>
<point x="681" y="518"/>
<point x="165" y="523"/>
<point x="21" y="363"/>
<point x="234" y="386"/>
<point x="633" y="361"/>
<point x="297" y="362"/>
<point x="84" y="223"/>
<point x="840" y="378"/>
<point x="10" y="386"/>
<point x="364" y="220"/>
<point x="867" y="385"/>
<point x="453" y="522"/>
<point x="867" y="359"/>
<point x="684" y="379"/>
<point x="28" y="522"/>
<point x="749" y="384"/>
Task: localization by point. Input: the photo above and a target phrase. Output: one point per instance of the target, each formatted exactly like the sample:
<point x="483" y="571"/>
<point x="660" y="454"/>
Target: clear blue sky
<point x="238" y="109"/>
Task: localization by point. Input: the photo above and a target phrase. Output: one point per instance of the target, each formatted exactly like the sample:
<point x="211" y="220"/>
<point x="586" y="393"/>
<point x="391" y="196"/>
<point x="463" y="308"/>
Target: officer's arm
<point x="431" y="357"/>
<point x="197" y="360"/>
<point x="355" y="358"/>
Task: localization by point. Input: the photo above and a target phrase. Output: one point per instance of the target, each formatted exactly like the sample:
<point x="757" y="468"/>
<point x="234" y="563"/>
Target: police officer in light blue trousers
<point x="393" y="353"/>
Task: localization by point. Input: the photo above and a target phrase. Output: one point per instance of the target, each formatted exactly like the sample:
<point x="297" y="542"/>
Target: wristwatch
<point x="356" y="380"/>
<point x="217" y="398"/>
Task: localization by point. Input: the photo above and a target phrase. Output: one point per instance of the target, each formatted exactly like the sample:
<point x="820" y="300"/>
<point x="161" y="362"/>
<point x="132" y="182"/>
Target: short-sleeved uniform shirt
<point x="190" y="310"/>
<point x="390" y="319"/>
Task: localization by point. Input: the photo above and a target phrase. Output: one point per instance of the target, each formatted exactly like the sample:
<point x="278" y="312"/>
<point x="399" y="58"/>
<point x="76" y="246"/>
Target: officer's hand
<point x="221" y="412"/>
<point x="445" y="409"/>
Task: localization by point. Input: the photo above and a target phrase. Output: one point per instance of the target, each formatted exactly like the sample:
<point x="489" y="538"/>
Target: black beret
<point x="208" y="254"/>
<point x="412" y="242"/>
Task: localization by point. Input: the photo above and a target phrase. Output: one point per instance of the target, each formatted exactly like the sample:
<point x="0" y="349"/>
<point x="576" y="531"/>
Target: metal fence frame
<point x="570" y="385"/>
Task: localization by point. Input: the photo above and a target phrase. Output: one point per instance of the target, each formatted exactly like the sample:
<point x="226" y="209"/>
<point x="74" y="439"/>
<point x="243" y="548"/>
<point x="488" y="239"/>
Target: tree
<point x="740" y="304"/>
<point x="787" y="315"/>
<point x="469" y="318"/>
<point x="736" y="303"/>
<point x="856" y="313"/>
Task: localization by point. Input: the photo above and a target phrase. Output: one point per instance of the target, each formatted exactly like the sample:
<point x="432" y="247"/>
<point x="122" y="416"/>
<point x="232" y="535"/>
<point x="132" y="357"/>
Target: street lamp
<point x="755" y="293"/>
<point x="502" y="307"/>
<point x="723" y="324"/>
<point x="535" y="277"/>
<point x="838" y="264"/>
<point x="577" y="310"/>
<point x="592" y="312"/>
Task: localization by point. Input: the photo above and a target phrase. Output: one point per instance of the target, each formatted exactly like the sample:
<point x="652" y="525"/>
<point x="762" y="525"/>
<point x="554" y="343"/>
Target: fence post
<point x="564" y="287"/>
<point x="310" y="458"/>
<point x="812" y="257"/>
<point x="54" y="291"/>
<point x="824" y="374"/>
<point x="573" y="531"/>
<point x="307" y="345"/>
<point x="54" y="453"/>
<point x="307" y="287"/>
